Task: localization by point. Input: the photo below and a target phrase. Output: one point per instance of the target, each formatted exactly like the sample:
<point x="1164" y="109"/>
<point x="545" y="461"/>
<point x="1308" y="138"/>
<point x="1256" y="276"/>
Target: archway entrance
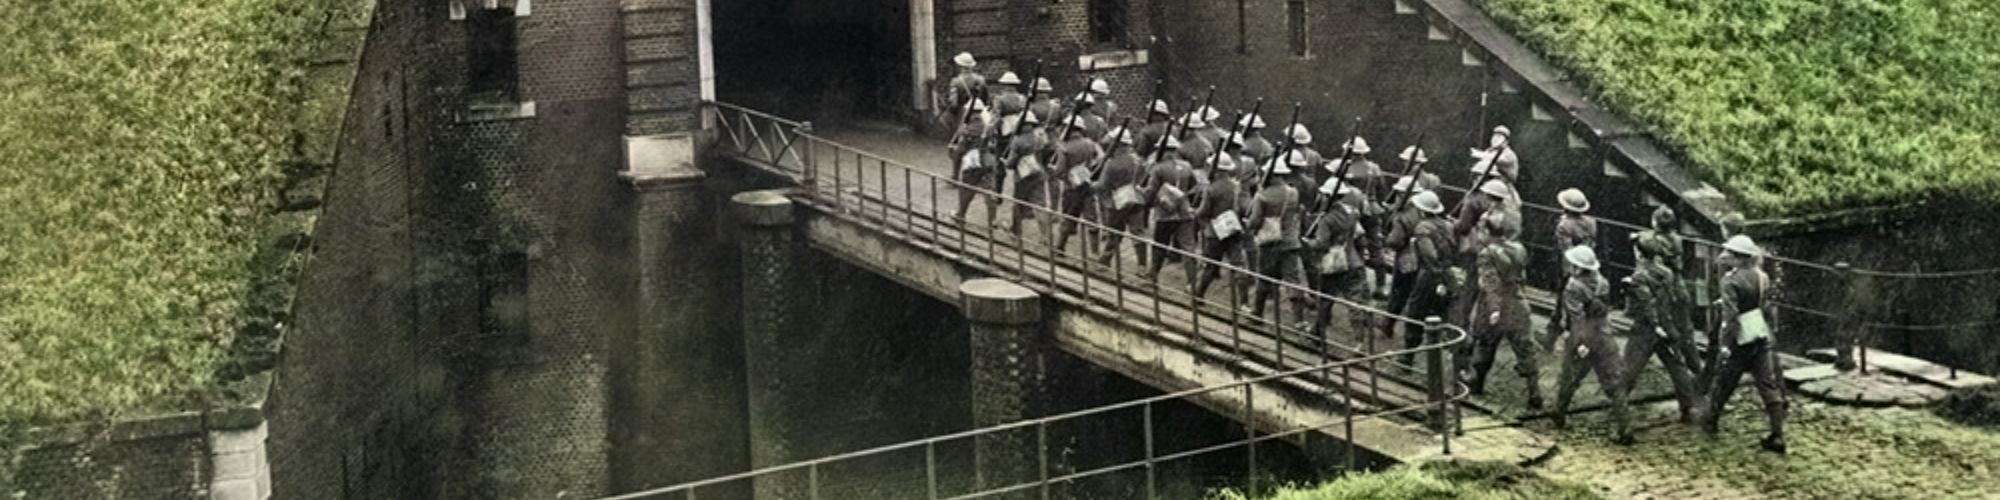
<point x="825" y="61"/>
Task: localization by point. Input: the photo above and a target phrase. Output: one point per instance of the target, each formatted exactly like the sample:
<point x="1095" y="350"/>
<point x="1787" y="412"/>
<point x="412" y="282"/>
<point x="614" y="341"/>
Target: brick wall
<point x="160" y="457"/>
<point x="661" y="66"/>
<point x="1008" y="36"/>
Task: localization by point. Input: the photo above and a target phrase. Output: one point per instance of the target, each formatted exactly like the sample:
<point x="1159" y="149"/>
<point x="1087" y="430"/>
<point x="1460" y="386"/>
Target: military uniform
<point x="1572" y="230"/>
<point x="1273" y="223"/>
<point x="1219" y="200"/>
<point x="1337" y="269"/>
<point x="1072" y="174"/>
<point x="1198" y="150"/>
<point x="1435" y="282"/>
<point x="1124" y="211"/>
<point x="1658" y="304"/>
<point x="1167" y="185"/>
<point x="973" y="170"/>
<point x="1402" y="232"/>
<point x="1024" y="164"/>
<point x="965" y="87"/>
<point x="1589" y="349"/>
<point x="1749" y="347"/>
<point x="1502" y="315"/>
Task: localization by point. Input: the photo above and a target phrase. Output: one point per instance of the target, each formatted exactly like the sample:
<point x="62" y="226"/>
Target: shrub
<point x="142" y="140"/>
<point x="1796" y="106"/>
<point x="1434" y="481"/>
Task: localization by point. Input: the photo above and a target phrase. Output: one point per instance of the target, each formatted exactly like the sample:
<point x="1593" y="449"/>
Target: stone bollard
<point x="776" y="306"/>
<point x="1008" y="339"/>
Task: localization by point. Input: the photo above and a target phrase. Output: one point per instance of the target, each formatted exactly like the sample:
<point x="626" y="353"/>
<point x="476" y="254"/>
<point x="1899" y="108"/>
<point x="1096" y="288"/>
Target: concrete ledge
<point x="768" y="208"/>
<point x="994" y="301"/>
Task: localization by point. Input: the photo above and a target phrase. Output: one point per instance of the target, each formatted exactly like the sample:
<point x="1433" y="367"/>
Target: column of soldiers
<point x="1351" y="229"/>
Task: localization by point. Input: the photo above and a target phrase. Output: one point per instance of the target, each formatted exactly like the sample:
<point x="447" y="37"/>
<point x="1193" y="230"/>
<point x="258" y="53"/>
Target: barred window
<point x="1295" y="19"/>
<point x="1107" y="20"/>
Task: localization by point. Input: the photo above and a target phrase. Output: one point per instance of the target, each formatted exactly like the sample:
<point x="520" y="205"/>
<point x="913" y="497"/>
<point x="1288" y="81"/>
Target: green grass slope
<point x="1432" y="481"/>
<point x="140" y="145"/>
<point x="1796" y="106"/>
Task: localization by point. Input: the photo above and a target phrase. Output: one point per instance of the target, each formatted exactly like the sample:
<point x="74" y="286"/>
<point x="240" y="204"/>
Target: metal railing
<point x="812" y="477"/>
<point x="906" y="203"/>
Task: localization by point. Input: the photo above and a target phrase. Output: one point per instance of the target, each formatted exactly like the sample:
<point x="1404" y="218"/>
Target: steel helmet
<point x="1251" y="122"/>
<point x="1664" y="217"/>
<point x="1297" y="159"/>
<point x="1160" y="108"/>
<point x="1742" y="245"/>
<point x="964" y="60"/>
<point x="1172" y="143"/>
<point x="1581" y="257"/>
<point x="1496" y="187"/>
<point x="1427" y="202"/>
<point x="1572" y="199"/>
<point x="1421" y="157"/>
<point x="1300" y="135"/>
<point x="1009" y="78"/>
<point x="1225" y="164"/>
<point x="1195" y="120"/>
<point x="1503" y="131"/>
<point x="1099" y="86"/>
<point x="1042" y="85"/>
<point x="1357" y="146"/>
<point x="1405" y="183"/>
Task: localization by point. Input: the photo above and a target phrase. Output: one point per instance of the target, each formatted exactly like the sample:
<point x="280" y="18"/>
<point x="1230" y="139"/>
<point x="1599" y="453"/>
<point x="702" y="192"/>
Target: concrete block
<point x="769" y="208"/>
<point x="239" y="489"/>
<point x="244" y="465"/>
<point x="247" y="440"/>
<point x="1000" y="302"/>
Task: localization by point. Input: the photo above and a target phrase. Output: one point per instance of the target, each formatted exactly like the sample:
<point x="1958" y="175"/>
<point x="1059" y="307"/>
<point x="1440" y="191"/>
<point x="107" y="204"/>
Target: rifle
<point x="1205" y="101"/>
<point x="1264" y="173"/>
<point x="1411" y="169"/>
<point x="999" y="175"/>
<point x="1235" y="131"/>
<point x="1075" y="105"/>
<point x="1485" y="174"/>
<point x="1339" y="175"/>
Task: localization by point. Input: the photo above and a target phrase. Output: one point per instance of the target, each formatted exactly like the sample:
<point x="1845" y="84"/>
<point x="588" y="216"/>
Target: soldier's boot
<point x="1566" y="384"/>
<point x="1775" y="441"/>
<point x="1621" y="418"/>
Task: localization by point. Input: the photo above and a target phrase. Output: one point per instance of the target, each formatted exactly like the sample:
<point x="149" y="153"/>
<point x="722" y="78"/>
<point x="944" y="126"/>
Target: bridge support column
<point x="1008" y="342"/>
<point x="776" y="304"/>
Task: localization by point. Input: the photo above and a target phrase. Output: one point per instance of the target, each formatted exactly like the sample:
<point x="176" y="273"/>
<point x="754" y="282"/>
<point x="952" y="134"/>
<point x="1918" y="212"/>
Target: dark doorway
<point x="822" y="60"/>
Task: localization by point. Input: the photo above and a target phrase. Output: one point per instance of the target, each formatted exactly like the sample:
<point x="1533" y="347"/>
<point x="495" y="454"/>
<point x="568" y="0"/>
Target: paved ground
<point x="1837" y="451"/>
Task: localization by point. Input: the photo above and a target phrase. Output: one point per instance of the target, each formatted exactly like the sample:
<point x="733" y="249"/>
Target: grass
<point x="143" y="148"/>
<point x="1796" y="106"/>
<point x="1433" y="481"/>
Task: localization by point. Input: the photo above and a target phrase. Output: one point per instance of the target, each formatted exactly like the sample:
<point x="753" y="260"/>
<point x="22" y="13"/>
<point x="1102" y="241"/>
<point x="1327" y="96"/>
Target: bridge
<point x="1343" y="396"/>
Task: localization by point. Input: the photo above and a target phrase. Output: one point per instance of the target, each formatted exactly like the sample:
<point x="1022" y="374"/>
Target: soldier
<point x="1435" y="283"/>
<point x="1094" y="126"/>
<point x="1008" y="102"/>
<point x="1118" y="186"/>
<point x="1220" y="224"/>
<point x="1366" y="175"/>
<point x="1072" y="173"/>
<point x="1045" y="106"/>
<point x="969" y="84"/>
<point x="1573" y="229"/>
<point x="1505" y="165"/>
<point x="1588" y="348"/>
<point x="972" y="165"/>
<point x="1303" y="179"/>
<point x="1196" y="147"/>
<point x="1474" y="234"/>
<point x="1425" y="180"/>
<point x="1101" y="91"/>
<point x="1023" y="161"/>
<point x="1658" y="304"/>
<point x="1211" y="131"/>
<point x="1402" y="229"/>
<point x="1338" y="270"/>
<point x="1166" y="186"/>
<point x="1254" y="143"/>
<point x="1273" y="224"/>
<point x="1158" y="118"/>
<point x="1501" y="314"/>
<point x="1747" y="341"/>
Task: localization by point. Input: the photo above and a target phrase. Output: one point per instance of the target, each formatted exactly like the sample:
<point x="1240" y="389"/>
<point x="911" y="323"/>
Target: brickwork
<point x="661" y="76"/>
<point x="1009" y="341"/>
<point x="1005" y="36"/>
<point x="166" y="459"/>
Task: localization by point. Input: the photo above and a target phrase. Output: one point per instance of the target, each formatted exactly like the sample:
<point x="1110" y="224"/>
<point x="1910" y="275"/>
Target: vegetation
<point x="144" y="147"/>
<point x="1978" y="406"/>
<point x="1435" y="481"/>
<point x="1796" y="106"/>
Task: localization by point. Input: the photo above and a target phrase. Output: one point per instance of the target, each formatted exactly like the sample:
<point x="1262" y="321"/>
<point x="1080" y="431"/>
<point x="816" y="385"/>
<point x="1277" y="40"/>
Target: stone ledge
<point x="660" y="161"/>
<point x="767" y="208"/>
<point x="1001" y="302"/>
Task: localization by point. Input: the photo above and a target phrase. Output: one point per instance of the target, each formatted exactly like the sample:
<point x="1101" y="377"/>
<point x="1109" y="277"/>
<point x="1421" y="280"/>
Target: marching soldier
<point x="1748" y="342"/>
<point x="1273" y="224"/>
<point x="971" y="163"/>
<point x="1402" y="230"/>
<point x="1118" y="185"/>
<point x="1366" y="175"/>
<point x="1658" y="304"/>
<point x="1100" y="90"/>
<point x="1474" y="234"/>
<point x="1435" y="284"/>
<point x="1302" y="157"/>
<point x="1158" y="119"/>
<point x="1023" y="162"/>
<point x="1501" y="314"/>
<point x="1094" y="126"/>
<point x="969" y="84"/>
<point x="1573" y="229"/>
<point x="1210" y="131"/>
<point x="1072" y="173"/>
<point x="1008" y="102"/>
<point x="1045" y="106"/>
<point x="1196" y="146"/>
<point x="1166" y="186"/>
<point x="1338" y="269"/>
<point x="1254" y="143"/>
<point x="1588" y="348"/>
<point x="1505" y="165"/>
<point x="1220" y="224"/>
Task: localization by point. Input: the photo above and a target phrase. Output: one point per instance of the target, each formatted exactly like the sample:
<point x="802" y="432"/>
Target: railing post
<point x="1438" y="376"/>
<point x="1851" y="329"/>
<point x="930" y="468"/>
<point x="1152" y="474"/>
